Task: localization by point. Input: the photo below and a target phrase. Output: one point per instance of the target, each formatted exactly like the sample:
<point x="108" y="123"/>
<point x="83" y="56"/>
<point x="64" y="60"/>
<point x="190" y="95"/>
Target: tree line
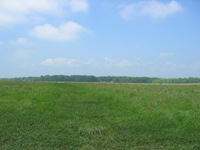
<point x="116" y="79"/>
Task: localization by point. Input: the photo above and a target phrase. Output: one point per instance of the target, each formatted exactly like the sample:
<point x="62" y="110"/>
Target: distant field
<point x="71" y="116"/>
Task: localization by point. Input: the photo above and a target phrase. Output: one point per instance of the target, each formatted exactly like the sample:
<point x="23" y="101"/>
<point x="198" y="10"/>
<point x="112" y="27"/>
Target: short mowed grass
<point x="71" y="116"/>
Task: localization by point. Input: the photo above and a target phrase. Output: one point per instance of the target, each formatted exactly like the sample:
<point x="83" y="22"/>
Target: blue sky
<point x="156" y="38"/>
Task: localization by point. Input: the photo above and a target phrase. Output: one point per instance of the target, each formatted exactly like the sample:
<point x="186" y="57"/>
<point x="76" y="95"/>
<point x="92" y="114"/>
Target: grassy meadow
<point x="72" y="116"/>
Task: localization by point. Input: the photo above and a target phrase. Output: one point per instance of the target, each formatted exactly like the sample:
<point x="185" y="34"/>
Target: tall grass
<point x="99" y="116"/>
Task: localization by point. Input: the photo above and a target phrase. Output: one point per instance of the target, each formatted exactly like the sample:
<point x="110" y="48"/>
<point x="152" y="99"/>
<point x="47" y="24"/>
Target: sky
<point x="152" y="38"/>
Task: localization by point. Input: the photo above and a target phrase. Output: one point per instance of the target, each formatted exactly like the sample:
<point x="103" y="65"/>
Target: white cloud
<point x="58" y="62"/>
<point x="151" y="8"/>
<point x="22" y="55"/>
<point x="166" y="54"/>
<point x="110" y="62"/>
<point x="78" y="5"/>
<point x="6" y="18"/>
<point x="66" y="32"/>
<point x="128" y="63"/>
<point x="174" y="65"/>
<point x="1" y="43"/>
<point x="196" y="65"/>
<point x="13" y="11"/>
<point x="21" y="42"/>
<point x="105" y="63"/>
<point x="25" y="7"/>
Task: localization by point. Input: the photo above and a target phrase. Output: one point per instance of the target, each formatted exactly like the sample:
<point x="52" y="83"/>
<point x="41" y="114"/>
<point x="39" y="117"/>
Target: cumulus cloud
<point x="21" y="42"/>
<point x="19" y="55"/>
<point x="6" y="18"/>
<point x="12" y="11"/>
<point x="105" y="63"/>
<point x="166" y="54"/>
<point x="78" y="5"/>
<point x="110" y="62"/>
<point x="1" y="43"/>
<point x="196" y="65"/>
<point x="128" y="63"/>
<point x="151" y="8"/>
<point x="66" y="32"/>
<point x="59" y="62"/>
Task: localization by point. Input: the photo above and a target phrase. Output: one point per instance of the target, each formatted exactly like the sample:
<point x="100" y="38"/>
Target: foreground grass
<point x="99" y="116"/>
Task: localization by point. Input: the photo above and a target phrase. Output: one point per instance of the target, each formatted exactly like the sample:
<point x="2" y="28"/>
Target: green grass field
<point x="71" y="116"/>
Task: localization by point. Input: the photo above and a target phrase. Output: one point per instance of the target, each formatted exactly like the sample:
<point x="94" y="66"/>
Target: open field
<point x="36" y="115"/>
